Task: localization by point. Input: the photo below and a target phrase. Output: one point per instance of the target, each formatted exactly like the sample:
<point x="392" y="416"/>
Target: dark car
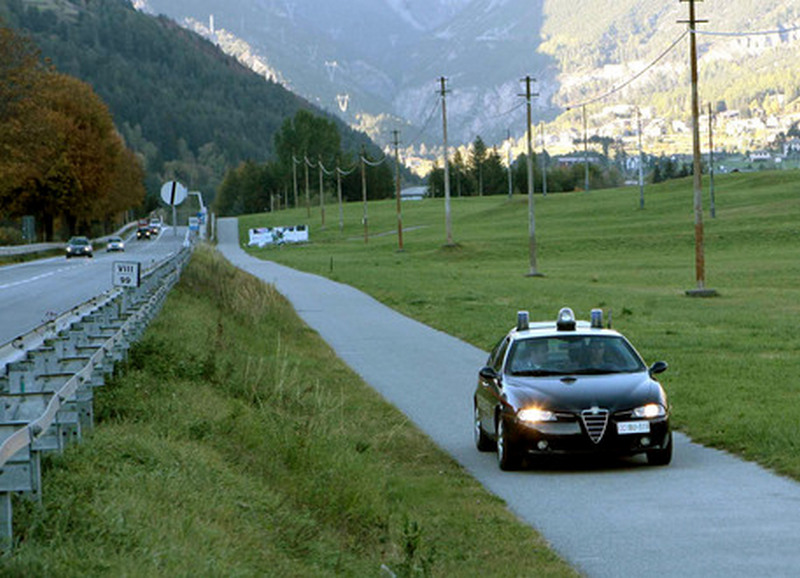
<point x="144" y="232"/>
<point x="79" y="247"/>
<point x="570" y="387"/>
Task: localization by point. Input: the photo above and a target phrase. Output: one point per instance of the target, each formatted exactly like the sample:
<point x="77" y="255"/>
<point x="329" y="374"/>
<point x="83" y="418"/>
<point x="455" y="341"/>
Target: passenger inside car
<point x="529" y="355"/>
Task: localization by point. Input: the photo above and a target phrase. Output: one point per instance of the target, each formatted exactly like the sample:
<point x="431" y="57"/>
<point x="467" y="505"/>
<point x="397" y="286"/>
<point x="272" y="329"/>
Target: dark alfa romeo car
<point x="79" y="247"/>
<point x="567" y="386"/>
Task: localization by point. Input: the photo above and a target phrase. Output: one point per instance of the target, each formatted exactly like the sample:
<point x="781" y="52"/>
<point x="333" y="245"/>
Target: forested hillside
<point x="188" y="110"/>
<point x="61" y="160"/>
<point x="746" y="51"/>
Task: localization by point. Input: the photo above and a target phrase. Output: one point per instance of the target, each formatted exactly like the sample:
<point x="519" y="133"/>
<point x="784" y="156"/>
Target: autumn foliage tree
<point x="61" y="158"/>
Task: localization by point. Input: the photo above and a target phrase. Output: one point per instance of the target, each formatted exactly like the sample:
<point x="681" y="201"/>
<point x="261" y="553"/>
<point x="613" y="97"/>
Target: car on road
<point x="569" y="387"/>
<point x="115" y="244"/>
<point x="144" y="232"/>
<point x="79" y="247"/>
<point x="155" y="226"/>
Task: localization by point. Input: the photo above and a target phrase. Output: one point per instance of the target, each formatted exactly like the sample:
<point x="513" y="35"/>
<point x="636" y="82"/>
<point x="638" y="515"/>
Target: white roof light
<point x="566" y="320"/>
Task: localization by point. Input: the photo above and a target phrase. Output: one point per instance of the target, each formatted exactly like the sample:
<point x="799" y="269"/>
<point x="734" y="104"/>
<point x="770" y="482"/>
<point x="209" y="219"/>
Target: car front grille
<point x="595" y="421"/>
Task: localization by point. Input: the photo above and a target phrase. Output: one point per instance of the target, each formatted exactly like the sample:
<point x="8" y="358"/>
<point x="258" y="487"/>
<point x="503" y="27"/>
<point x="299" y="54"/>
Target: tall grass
<point x="734" y="364"/>
<point x="234" y="443"/>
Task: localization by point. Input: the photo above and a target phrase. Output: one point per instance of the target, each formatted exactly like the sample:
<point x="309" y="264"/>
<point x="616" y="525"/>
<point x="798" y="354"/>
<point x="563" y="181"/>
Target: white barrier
<point x="263" y="236"/>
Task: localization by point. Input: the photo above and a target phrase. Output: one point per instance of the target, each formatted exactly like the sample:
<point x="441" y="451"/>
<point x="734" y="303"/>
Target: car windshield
<point x="79" y="241"/>
<point x="572" y="355"/>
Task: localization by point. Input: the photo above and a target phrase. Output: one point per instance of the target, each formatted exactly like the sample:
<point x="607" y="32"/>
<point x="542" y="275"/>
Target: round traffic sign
<point x="173" y="193"/>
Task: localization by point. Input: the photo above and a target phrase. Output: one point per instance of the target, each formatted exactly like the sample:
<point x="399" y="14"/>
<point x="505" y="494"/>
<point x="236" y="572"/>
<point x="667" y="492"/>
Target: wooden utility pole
<point x="396" y="135"/>
<point x="339" y="197"/>
<point x="699" y="251"/>
<point x="321" y="191"/>
<point x="294" y="178"/>
<point x="641" y="158"/>
<point x="585" y="152"/>
<point x="711" y="160"/>
<point x="510" y="182"/>
<point x="544" y="163"/>
<point x="447" y="219"/>
<point x="308" y="189"/>
<point x="533" y="271"/>
<point x="364" y="191"/>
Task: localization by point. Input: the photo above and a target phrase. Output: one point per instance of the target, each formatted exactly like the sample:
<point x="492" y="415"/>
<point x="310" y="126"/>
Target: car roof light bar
<point x="523" y="321"/>
<point x="566" y="320"/>
<point x="597" y="319"/>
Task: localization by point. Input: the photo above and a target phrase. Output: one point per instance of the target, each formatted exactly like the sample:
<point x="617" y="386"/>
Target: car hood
<point x="573" y="393"/>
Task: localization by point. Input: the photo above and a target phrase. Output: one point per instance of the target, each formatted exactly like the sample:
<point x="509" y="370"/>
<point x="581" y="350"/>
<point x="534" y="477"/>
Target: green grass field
<point x="734" y="363"/>
<point x="235" y="443"/>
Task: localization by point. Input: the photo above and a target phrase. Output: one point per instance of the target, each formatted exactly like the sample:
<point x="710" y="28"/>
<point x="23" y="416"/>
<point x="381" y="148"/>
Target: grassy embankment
<point x="734" y="362"/>
<point x="235" y="443"/>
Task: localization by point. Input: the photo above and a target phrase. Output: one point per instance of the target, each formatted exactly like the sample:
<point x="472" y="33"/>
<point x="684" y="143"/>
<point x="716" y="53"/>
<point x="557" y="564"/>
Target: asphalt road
<point x="707" y="514"/>
<point x="31" y="292"/>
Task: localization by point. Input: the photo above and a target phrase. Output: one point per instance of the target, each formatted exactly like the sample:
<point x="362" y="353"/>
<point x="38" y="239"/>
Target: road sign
<point x="126" y="273"/>
<point x="173" y="193"/>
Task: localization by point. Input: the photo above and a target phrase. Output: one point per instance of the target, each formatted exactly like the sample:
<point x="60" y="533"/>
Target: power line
<point x="630" y="80"/>
<point x="759" y="33"/>
<point x="374" y="164"/>
<point x="426" y="123"/>
<point x="509" y="111"/>
<point x="344" y="173"/>
<point x="672" y="46"/>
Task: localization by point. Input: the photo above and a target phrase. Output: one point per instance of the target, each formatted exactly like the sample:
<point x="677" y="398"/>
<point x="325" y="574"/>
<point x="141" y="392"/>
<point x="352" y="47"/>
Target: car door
<point x="489" y="390"/>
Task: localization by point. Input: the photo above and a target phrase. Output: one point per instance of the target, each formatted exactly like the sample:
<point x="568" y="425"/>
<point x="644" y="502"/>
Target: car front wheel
<point x="483" y="442"/>
<point x="507" y="452"/>
<point x="663" y="456"/>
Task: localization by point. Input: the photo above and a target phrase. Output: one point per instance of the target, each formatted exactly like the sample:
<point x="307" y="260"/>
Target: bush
<point x="10" y="236"/>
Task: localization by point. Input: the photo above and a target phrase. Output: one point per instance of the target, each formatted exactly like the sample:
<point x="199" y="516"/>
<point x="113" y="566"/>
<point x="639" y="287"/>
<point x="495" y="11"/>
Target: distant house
<point x="678" y="126"/>
<point x="569" y="160"/>
<point x="791" y="146"/>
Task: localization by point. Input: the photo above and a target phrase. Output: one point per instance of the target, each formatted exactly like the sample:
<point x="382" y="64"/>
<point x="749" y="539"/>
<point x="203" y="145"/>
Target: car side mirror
<point x="488" y="373"/>
<point x="658" y="367"/>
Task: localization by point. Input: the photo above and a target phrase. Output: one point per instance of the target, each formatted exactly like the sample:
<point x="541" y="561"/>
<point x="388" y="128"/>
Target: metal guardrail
<point x="29" y="249"/>
<point x="47" y="377"/>
<point x="34" y="248"/>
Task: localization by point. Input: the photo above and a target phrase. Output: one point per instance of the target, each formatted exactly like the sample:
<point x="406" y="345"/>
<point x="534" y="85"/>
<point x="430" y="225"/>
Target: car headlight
<point x="535" y="415"/>
<point x="650" y="411"/>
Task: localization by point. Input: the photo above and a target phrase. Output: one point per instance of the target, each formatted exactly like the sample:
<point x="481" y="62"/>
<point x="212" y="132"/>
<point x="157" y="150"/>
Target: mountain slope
<point x="189" y="110"/>
<point x="385" y="55"/>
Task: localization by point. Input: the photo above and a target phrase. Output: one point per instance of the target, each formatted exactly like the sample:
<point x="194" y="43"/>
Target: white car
<point x="115" y="244"/>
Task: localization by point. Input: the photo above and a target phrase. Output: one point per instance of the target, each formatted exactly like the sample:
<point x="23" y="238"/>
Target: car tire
<point x="663" y="456"/>
<point x="482" y="441"/>
<point x="507" y="452"/>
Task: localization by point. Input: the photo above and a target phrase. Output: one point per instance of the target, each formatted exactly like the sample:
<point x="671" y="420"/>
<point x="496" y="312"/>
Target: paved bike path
<point x="707" y="514"/>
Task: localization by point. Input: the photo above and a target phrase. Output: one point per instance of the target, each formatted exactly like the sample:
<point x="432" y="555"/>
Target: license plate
<point x="633" y="427"/>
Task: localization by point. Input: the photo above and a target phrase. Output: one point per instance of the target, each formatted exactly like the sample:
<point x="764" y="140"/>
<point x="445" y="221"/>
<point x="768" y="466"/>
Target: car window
<point x="498" y="353"/>
<point x="573" y="354"/>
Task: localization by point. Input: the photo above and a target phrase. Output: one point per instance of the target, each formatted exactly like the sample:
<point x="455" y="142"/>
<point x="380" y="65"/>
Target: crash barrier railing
<point x="33" y="248"/>
<point x="47" y="377"/>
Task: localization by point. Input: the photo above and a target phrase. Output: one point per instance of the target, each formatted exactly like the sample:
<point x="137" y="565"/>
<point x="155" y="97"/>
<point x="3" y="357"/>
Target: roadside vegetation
<point x="233" y="442"/>
<point x="733" y="358"/>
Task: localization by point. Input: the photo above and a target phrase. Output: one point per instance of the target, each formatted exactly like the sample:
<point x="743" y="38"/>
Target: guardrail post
<point x="68" y="365"/>
<point x="6" y="536"/>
